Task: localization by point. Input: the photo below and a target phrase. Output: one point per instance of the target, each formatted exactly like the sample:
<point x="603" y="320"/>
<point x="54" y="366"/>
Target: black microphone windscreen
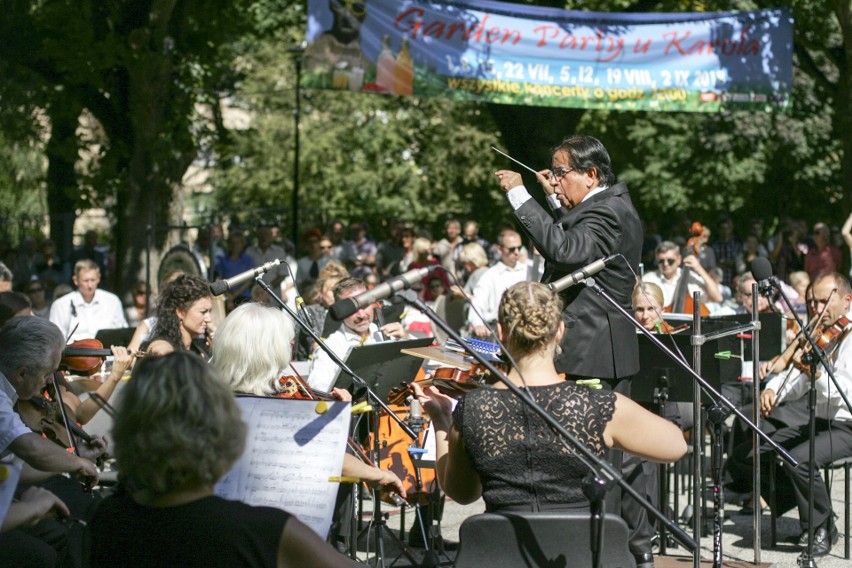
<point x="342" y="309"/>
<point x="761" y="269"/>
<point x="218" y="287"/>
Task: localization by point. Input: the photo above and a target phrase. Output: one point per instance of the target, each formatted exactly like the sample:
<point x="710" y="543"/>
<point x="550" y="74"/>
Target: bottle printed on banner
<point x="385" y="66"/>
<point x="403" y="75"/>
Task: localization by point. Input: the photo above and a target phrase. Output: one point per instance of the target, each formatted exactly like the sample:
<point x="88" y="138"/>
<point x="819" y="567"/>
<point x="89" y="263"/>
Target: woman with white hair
<point x="252" y="351"/>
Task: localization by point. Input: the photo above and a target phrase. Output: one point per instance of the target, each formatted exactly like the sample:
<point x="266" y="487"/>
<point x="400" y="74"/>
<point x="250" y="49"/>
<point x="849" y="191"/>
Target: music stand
<point x="382" y="365"/>
<point x="654" y="366"/>
<point x="115" y="336"/>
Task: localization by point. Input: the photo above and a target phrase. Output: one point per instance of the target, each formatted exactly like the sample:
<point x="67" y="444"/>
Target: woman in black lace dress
<point x="491" y="446"/>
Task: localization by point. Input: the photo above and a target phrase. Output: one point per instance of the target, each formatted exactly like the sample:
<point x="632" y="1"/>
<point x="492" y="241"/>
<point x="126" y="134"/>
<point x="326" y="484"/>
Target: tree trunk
<point x="62" y="188"/>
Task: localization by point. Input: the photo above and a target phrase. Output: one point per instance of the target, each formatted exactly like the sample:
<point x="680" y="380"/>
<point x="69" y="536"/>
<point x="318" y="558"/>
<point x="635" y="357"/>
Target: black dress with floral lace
<point x="521" y="462"/>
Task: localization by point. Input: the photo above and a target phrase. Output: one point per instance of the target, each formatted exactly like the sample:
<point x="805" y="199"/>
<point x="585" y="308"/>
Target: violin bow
<point x="71" y="438"/>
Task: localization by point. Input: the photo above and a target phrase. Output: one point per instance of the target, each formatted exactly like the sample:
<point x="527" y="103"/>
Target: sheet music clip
<point x="322" y="407"/>
<point x="361" y="408"/>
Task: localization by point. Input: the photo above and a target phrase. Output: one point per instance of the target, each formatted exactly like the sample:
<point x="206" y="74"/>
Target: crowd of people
<point x="200" y="351"/>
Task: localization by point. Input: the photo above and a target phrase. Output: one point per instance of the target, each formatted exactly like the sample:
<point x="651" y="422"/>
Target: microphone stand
<point x="708" y="389"/>
<point x="371" y="396"/>
<point x="603" y="474"/>
<point x="806" y="558"/>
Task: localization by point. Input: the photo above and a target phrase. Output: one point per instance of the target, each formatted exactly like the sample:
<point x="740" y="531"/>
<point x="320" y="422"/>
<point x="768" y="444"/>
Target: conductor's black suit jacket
<point x="598" y="341"/>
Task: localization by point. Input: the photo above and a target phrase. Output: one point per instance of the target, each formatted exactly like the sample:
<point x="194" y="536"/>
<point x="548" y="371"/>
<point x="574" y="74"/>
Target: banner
<point x="517" y="54"/>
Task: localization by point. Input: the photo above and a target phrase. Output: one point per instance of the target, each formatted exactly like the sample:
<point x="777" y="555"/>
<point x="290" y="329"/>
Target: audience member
<point x="34" y="289"/>
<point x="236" y="261"/>
<point x="669" y="271"/>
<point x="137" y="306"/>
<point x="491" y="285"/>
<point x="53" y="270"/>
<point x="448" y="248"/>
<point x="266" y="251"/>
<point x="319" y="254"/>
<point x="359" y="252"/>
<point x="823" y="256"/>
<point x="727" y="247"/>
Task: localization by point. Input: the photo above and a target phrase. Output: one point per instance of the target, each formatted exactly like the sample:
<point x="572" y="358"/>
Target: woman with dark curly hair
<point x="184" y="315"/>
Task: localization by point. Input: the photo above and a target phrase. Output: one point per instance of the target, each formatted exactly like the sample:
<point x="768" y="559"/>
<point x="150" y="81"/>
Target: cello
<point x="682" y="301"/>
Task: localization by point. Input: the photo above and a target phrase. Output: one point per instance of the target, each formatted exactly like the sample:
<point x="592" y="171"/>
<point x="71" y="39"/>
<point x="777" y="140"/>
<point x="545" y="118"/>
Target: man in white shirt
<point x="81" y="314"/>
<point x="496" y="280"/>
<point x="669" y="272"/>
<point x="831" y="295"/>
<point x="357" y="329"/>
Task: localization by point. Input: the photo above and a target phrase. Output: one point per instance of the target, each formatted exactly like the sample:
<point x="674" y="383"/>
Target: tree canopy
<point x="109" y="103"/>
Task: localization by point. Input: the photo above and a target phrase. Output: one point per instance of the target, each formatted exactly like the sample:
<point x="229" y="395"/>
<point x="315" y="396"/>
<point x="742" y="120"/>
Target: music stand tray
<point x="382" y="365"/>
<point x="115" y="336"/>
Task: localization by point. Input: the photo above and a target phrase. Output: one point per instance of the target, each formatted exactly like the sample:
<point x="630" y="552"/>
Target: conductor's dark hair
<point x="587" y="153"/>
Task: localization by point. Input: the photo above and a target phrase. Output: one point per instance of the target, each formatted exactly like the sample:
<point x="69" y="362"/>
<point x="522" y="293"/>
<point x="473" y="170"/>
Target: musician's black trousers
<point x="833" y="441"/>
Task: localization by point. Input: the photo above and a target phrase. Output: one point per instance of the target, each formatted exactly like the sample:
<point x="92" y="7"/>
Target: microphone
<point x="761" y="269"/>
<point x="415" y="415"/>
<point x="344" y="308"/>
<point x="580" y="275"/>
<point x="221" y="286"/>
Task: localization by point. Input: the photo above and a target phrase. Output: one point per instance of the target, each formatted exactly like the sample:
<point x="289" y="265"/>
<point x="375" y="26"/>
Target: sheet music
<point x="291" y="451"/>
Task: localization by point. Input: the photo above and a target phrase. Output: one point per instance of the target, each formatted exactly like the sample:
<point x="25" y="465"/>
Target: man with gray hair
<point x="32" y="349"/>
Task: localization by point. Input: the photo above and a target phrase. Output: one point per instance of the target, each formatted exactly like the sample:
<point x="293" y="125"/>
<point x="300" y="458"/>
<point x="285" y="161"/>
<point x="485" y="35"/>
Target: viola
<point x="682" y="301"/>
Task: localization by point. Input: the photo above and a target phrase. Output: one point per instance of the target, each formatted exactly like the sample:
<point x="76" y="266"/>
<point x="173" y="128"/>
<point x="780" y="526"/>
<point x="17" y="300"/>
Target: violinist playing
<point x="32" y="348"/>
<point x="831" y="296"/>
<point x="252" y="351"/>
<point x="490" y="446"/>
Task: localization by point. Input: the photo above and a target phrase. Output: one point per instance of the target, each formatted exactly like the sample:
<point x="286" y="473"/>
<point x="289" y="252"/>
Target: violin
<point x="827" y="338"/>
<point x="295" y="387"/>
<point x="84" y="357"/>
<point x="43" y="416"/>
<point x="682" y="301"/>
<point x="451" y="381"/>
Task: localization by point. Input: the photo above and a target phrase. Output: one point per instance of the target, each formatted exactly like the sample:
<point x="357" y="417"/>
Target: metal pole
<point x="697" y="436"/>
<point x="755" y="417"/>
<point x="297" y="112"/>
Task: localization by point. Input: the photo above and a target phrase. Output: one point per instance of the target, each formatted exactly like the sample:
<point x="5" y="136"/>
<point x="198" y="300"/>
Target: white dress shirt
<point x="103" y="312"/>
<point x="489" y="289"/>
<point x="694" y="284"/>
<point x="323" y="369"/>
<point x="830" y="405"/>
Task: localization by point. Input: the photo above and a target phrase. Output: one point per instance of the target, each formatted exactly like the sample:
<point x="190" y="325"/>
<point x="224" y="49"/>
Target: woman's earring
<point x="559" y="350"/>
